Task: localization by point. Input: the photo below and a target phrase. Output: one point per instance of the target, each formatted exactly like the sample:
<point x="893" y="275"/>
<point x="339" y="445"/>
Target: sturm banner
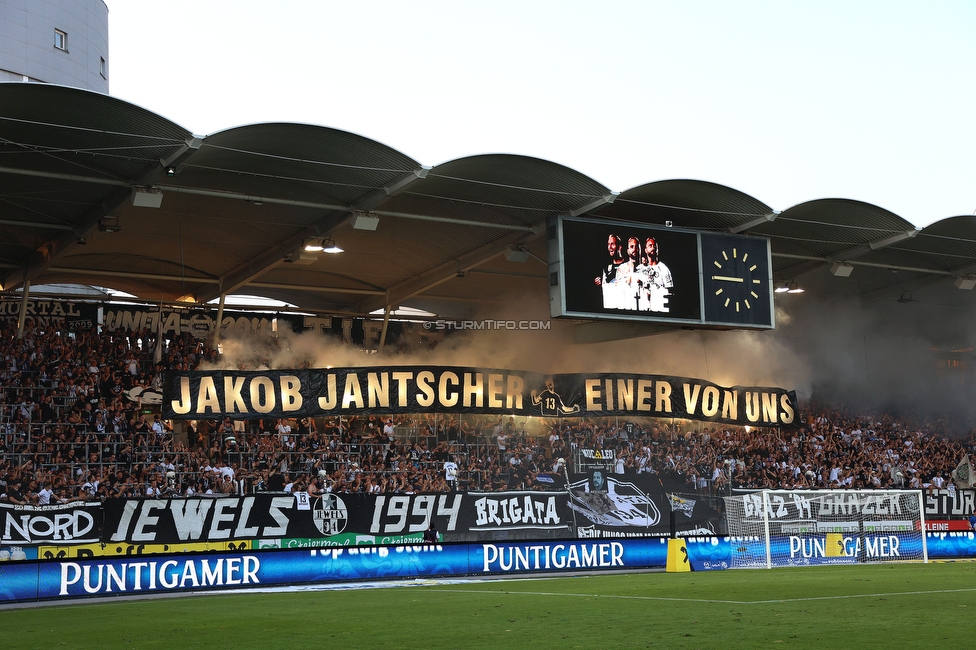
<point x="599" y="505"/>
<point x="440" y="389"/>
<point x="942" y="504"/>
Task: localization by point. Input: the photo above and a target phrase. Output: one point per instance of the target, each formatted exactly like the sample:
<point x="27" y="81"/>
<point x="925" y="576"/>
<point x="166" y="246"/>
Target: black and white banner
<point x="943" y="504"/>
<point x="73" y="316"/>
<point x="616" y="505"/>
<point x="199" y="323"/>
<point x="596" y="507"/>
<point x="441" y="389"/>
<point x="69" y="523"/>
<point x="462" y="516"/>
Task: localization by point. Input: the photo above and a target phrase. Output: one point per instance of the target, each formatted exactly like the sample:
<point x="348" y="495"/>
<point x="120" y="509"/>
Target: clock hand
<point x="726" y="278"/>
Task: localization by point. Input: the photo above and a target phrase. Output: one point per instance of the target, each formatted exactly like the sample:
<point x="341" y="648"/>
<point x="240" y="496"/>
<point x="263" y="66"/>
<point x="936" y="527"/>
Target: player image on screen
<point x="628" y="272"/>
<point x="635" y="279"/>
<point x="653" y="280"/>
<point x="610" y="279"/>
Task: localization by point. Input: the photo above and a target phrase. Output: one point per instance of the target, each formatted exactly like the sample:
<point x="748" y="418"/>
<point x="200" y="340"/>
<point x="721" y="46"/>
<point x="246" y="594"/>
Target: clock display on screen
<point x="735" y="280"/>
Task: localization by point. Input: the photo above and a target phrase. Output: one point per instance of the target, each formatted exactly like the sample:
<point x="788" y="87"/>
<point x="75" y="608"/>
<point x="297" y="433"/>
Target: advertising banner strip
<point x="487" y="391"/>
<point x="141" y="575"/>
<point x="73" y="578"/>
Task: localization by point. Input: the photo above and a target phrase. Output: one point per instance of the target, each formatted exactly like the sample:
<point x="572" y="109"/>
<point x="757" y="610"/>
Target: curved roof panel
<point x="312" y="163"/>
<point x="826" y="227"/>
<point x="516" y="189"/>
<point x="71" y="131"/>
<point x="686" y="204"/>
<point x="949" y="244"/>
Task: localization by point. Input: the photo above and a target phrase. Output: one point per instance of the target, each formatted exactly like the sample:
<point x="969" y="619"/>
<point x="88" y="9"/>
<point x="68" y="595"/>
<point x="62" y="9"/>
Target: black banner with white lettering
<point x="462" y="516"/>
<point x="67" y="314"/>
<point x="66" y="524"/>
<point x="440" y="389"/>
<point x="944" y="504"/>
<point x="597" y="507"/>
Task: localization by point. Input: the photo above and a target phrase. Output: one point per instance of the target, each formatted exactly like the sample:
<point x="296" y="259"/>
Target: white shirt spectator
<point x="450" y="470"/>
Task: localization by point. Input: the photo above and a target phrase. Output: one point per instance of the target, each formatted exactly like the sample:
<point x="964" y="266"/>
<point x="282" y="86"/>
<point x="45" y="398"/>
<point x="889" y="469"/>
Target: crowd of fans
<point x="77" y="423"/>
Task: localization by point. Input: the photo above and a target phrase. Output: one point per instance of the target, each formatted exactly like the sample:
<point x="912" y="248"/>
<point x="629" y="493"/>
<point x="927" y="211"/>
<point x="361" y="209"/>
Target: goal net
<point x="798" y="528"/>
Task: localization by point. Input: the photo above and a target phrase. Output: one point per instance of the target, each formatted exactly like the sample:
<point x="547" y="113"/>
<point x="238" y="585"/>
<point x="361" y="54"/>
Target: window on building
<point x="101" y="68"/>
<point x="60" y="40"/>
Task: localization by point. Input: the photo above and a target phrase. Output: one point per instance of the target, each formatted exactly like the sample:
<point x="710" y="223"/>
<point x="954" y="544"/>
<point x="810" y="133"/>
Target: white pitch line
<point x="711" y="600"/>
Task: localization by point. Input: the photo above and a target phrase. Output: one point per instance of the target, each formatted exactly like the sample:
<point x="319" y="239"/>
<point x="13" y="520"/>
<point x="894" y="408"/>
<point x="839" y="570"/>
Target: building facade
<point x="61" y="42"/>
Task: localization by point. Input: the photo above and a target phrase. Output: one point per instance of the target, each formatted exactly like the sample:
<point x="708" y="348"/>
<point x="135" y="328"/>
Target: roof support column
<point x="386" y="324"/>
<point x="22" y="318"/>
<point x="220" y="320"/>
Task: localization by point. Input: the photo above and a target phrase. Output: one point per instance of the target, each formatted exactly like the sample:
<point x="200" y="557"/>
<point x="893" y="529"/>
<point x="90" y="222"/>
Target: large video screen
<point x="629" y="271"/>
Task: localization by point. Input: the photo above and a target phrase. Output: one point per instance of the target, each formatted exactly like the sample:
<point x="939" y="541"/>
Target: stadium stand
<point x="73" y="426"/>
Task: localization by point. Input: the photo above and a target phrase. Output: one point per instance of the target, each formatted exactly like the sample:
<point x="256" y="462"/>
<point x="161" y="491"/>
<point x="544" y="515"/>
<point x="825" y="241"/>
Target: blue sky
<point x="786" y="101"/>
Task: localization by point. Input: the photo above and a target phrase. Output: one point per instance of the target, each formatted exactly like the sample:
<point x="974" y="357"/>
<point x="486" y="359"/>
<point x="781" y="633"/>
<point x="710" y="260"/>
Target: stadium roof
<point x="236" y="208"/>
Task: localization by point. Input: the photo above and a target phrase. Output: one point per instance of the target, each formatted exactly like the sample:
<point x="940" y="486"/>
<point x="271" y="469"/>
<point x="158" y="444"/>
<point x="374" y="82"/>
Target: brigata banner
<point x="69" y="523"/>
<point x="491" y="391"/>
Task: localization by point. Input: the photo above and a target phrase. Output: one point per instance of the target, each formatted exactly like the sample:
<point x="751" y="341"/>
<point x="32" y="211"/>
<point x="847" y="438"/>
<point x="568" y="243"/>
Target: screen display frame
<point x="574" y="274"/>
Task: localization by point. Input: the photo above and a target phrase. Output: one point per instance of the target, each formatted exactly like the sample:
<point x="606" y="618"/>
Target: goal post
<point x="773" y="528"/>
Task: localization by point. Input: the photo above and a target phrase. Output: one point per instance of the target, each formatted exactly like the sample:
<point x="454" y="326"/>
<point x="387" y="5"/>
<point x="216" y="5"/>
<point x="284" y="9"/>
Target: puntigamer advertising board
<point x="73" y="578"/>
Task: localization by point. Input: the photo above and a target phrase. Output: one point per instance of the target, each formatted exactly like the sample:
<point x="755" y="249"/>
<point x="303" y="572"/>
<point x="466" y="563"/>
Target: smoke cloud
<point x="888" y="357"/>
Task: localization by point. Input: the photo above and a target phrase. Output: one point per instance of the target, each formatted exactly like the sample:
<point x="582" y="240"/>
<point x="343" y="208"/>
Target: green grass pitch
<point x="879" y="606"/>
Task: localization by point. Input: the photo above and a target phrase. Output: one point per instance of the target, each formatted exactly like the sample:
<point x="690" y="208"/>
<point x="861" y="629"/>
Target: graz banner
<point x="440" y="389"/>
<point x="68" y="523"/>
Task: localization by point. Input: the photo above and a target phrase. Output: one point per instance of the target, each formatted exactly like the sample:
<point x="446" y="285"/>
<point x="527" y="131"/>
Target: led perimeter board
<point x="618" y="270"/>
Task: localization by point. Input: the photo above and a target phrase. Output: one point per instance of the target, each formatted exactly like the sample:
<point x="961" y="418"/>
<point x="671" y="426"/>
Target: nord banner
<point x="440" y="389"/>
<point x="68" y="523"/>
